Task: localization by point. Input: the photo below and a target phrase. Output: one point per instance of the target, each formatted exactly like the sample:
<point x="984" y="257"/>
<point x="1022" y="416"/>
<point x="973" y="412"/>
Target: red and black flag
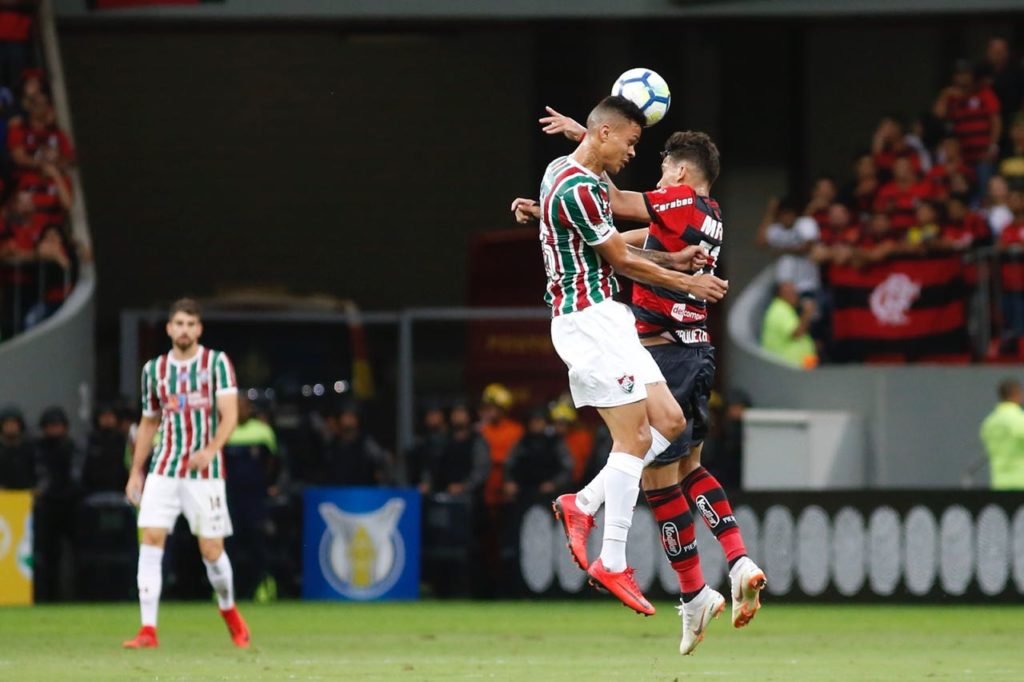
<point x="904" y="309"/>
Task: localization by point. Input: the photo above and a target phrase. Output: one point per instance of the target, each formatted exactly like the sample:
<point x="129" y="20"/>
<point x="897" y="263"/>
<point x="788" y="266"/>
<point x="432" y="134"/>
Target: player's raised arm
<point x="555" y="123"/>
<point x="642" y="269"/>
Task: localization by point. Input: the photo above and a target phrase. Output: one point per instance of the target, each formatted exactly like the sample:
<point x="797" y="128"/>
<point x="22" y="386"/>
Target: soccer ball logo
<point x="647" y="90"/>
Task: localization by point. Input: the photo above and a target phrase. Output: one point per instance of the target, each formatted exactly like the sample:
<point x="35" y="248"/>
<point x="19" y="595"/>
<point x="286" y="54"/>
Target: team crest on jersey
<point x="203" y="376"/>
<point x="626" y="383"/>
<point x="362" y="555"/>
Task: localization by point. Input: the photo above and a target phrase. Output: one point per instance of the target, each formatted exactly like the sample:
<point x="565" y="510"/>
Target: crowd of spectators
<point x="38" y="260"/>
<point x="948" y="182"/>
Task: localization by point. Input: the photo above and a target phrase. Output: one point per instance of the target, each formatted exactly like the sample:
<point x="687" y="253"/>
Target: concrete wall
<point x="922" y="421"/>
<point x="54" y="362"/>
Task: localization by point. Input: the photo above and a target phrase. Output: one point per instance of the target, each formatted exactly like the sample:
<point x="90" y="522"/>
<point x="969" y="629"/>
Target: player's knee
<point x="211" y="549"/>
<point x="154" y="537"/>
<point x="675" y="423"/>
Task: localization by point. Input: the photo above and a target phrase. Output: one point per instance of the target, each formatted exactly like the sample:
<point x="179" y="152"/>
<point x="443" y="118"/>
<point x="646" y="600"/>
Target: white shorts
<point x="202" y="500"/>
<point x="607" y="364"/>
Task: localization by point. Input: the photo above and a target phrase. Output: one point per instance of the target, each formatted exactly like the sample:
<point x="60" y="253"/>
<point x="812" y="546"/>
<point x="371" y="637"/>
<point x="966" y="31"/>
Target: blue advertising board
<point x="361" y="544"/>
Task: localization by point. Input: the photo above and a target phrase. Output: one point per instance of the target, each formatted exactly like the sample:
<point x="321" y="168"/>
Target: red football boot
<point x="236" y="626"/>
<point x="577" y="525"/>
<point x="622" y="585"/>
<point x="146" y="639"/>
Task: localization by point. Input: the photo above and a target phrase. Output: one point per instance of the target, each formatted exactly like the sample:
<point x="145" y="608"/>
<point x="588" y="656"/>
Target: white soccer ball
<point x="647" y="90"/>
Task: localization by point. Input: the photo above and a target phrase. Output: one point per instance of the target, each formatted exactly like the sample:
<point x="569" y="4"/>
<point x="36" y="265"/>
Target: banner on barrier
<point x="15" y="547"/>
<point x="862" y="545"/>
<point x="910" y="308"/>
<point x="361" y="544"/>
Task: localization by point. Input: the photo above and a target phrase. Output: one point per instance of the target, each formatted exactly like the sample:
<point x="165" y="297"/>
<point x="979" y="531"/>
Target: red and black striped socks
<point x="675" y="523"/>
<point x="709" y="499"/>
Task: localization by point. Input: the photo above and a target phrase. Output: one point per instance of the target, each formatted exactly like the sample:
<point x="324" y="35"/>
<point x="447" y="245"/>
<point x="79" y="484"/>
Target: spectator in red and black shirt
<point x="963" y="228"/>
<point x="859" y="193"/>
<point x="973" y="113"/>
<point x="839" y="227"/>
<point x="822" y="195"/>
<point x="19" y="228"/>
<point x="16" y="19"/>
<point x="899" y="198"/>
<point x="28" y="137"/>
<point x="951" y="174"/>
<point x="888" y="144"/>
<point x="50" y="187"/>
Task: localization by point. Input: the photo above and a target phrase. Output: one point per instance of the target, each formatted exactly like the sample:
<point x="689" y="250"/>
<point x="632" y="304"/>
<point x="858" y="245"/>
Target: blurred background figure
<point x="501" y="432"/>
<point x="429" y="444"/>
<point x="253" y="460"/>
<point x="785" y="331"/>
<point x="454" y="528"/>
<point x="539" y="467"/>
<point x="352" y="456"/>
<point x="578" y="438"/>
<point x="56" y="504"/>
<point x="462" y="463"/>
<point x="104" y="468"/>
<point x="17" y="454"/>
<point x="1002" y="433"/>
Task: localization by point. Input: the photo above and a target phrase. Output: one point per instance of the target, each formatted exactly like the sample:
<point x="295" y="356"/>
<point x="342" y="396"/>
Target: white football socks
<point x="622" y="486"/>
<point x="659" y="444"/>
<point x="591" y="497"/>
<point x="150" y="581"/>
<point x="222" y="579"/>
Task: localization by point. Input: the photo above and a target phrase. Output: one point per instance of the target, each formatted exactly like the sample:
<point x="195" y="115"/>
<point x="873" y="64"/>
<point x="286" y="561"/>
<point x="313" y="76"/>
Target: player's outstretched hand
<point x="689" y="259"/>
<point x="556" y="123"/>
<point x="525" y="210"/>
<point x="199" y="459"/>
<point x="708" y="287"/>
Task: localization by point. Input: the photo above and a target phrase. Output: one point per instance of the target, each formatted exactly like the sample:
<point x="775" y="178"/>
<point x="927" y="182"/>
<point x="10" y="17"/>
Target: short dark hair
<point x="189" y="306"/>
<point x="1008" y="388"/>
<point x="697" y="148"/>
<point x="617" y="104"/>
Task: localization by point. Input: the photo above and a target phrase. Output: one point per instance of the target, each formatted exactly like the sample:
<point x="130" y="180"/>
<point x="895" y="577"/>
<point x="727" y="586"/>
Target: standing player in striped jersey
<point x="596" y="338"/>
<point x="673" y="327"/>
<point x="190" y="405"/>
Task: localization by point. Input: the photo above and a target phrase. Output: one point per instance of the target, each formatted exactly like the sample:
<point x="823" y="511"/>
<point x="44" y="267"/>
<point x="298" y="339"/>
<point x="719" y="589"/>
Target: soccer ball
<point x="647" y="90"/>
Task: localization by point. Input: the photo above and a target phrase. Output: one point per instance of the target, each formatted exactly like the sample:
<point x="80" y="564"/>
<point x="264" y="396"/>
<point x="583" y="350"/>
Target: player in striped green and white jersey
<point x="190" y="406"/>
<point x="596" y="336"/>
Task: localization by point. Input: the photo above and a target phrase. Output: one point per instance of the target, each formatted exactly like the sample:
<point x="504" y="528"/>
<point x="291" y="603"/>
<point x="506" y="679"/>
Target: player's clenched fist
<point x="709" y="287"/>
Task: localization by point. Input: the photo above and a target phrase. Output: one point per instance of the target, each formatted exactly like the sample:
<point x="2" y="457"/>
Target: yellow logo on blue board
<point x="362" y="555"/>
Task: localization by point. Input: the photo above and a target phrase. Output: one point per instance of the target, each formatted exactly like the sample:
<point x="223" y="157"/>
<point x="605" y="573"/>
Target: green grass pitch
<point x="576" y="640"/>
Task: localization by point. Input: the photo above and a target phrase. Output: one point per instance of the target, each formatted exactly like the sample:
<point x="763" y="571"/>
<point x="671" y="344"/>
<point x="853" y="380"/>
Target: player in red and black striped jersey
<point x="673" y="327"/>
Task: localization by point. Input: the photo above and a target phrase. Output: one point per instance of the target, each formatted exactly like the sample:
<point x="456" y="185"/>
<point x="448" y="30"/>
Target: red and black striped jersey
<point x="971" y="118"/>
<point x="679" y="218"/>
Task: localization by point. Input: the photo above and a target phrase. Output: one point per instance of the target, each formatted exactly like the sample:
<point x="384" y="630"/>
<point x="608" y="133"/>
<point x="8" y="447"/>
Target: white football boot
<point x="697" y="615"/>
<point x="747" y="582"/>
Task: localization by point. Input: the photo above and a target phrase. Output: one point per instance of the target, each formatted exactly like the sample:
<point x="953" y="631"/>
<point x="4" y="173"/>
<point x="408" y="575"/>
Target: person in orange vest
<point x="578" y="437"/>
<point x="501" y="432"/>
